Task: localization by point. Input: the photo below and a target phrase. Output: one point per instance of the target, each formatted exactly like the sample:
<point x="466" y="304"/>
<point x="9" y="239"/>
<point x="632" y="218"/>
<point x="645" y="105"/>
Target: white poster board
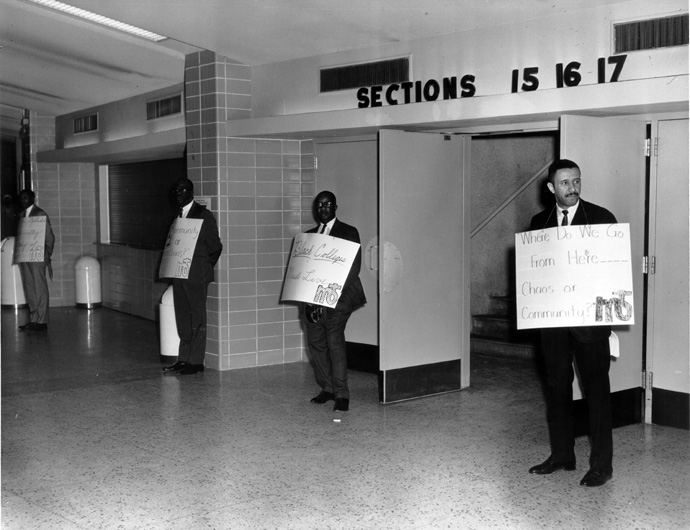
<point x="31" y="240"/>
<point x="317" y="269"/>
<point x="574" y="276"/>
<point x="179" y="248"/>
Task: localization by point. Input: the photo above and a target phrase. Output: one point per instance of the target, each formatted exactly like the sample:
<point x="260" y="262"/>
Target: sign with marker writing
<point x="317" y="269"/>
<point x="574" y="276"/>
<point x="179" y="248"/>
<point x="31" y="240"/>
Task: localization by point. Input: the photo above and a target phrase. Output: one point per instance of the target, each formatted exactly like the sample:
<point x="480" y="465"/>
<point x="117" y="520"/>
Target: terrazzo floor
<point x="94" y="436"/>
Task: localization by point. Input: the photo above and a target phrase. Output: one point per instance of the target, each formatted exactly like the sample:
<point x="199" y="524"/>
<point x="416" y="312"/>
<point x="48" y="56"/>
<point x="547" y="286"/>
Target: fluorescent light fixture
<point x="98" y="19"/>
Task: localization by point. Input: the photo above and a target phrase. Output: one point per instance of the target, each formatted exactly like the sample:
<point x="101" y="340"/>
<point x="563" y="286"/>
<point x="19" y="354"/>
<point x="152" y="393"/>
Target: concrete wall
<point x="500" y="167"/>
<point x="488" y="53"/>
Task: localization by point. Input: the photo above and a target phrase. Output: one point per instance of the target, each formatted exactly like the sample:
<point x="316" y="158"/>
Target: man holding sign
<point x="325" y="325"/>
<point x="588" y="344"/>
<point x="193" y="260"/>
<point x="35" y="241"/>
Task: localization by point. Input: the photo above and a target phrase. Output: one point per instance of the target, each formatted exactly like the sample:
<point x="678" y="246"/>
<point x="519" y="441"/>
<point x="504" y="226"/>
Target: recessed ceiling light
<point x="98" y="19"/>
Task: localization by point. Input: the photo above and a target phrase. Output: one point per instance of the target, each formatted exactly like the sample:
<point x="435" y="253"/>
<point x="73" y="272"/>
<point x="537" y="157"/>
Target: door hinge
<point x="316" y="162"/>
<point x="648" y="147"/>
<point x="646" y="380"/>
<point x="648" y="264"/>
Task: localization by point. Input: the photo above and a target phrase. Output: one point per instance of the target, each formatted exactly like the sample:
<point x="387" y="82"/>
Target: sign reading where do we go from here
<point x="317" y="269"/>
<point x="574" y="276"/>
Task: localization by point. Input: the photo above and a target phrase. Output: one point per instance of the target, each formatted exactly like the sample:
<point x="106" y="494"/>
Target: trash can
<point x="12" y="289"/>
<point x="87" y="272"/>
<point x="170" y="341"/>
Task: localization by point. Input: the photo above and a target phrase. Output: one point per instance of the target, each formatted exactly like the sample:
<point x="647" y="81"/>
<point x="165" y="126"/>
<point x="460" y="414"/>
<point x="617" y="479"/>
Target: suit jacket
<point x="586" y="214"/>
<point x="352" y="296"/>
<point x="208" y="246"/>
<point x="50" y="237"/>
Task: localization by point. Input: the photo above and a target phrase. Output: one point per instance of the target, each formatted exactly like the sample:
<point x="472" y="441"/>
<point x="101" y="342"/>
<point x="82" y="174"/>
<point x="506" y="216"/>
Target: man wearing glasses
<point x="326" y="326"/>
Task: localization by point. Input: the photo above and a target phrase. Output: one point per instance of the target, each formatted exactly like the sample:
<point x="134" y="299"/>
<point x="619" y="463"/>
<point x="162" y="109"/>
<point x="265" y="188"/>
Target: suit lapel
<point x="580" y="217"/>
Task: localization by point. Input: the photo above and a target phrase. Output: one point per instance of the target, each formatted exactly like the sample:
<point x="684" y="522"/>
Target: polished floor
<point x="94" y="436"/>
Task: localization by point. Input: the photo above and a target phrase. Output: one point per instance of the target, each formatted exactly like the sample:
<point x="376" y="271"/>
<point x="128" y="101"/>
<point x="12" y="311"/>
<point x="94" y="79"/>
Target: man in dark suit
<point x="589" y="345"/>
<point x="326" y="326"/>
<point x="189" y="295"/>
<point x="34" y="272"/>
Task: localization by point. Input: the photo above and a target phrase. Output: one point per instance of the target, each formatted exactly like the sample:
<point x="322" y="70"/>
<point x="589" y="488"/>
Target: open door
<point x="668" y="360"/>
<point x="424" y="283"/>
<point x="611" y="156"/>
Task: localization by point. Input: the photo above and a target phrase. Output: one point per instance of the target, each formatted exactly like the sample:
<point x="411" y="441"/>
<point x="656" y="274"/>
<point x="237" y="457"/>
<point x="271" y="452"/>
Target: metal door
<point x="611" y="156"/>
<point x="424" y="320"/>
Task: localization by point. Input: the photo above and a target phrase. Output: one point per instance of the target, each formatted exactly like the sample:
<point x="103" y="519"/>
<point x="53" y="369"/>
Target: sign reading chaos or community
<point x="179" y="248"/>
<point x="317" y="269"/>
<point x="31" y="240"/>
<point x="574" y="276"/>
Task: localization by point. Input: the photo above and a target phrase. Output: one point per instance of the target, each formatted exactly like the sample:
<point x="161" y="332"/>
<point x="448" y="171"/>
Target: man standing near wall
<point x="326" y="326"/>
<point x="189" y="295"/>
<point x="33" y="273"/>
<point x="588" y="344"/>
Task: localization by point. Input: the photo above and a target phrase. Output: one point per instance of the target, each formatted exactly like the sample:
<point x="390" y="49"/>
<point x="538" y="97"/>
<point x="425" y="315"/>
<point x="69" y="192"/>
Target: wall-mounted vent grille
<point x="163" y="107"/>
<point x="86" y="124"/>
<point x="650" y="34"/>
<point x="365" y="74"/>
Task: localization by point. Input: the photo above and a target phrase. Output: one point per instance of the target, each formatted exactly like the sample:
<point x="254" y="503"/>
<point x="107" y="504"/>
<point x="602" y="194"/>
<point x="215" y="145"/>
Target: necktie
<point x="565" y="218"/>
<point x="181" y="210"/>
<point x="323" y="229"/>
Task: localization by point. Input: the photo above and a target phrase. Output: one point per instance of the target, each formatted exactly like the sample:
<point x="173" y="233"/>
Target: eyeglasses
<point x="324" y="204"/>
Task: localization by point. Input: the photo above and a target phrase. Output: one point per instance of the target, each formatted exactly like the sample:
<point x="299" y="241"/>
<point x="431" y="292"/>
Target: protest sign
<point x="317" y="269"/>
<point x="179" y="248"/>
<point x="31" y="240"/>
<point x="574" y="276"/>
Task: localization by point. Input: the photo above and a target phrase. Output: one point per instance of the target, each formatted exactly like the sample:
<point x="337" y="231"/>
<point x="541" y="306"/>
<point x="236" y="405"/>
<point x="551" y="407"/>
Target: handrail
<point x="510" y="199"/>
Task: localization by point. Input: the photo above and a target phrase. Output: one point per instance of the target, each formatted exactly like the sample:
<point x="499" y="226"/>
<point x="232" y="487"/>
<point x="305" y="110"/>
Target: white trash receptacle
<point x="87" y="273"/>
<point x="12" y="288"/>
<point x="170" y="341"/>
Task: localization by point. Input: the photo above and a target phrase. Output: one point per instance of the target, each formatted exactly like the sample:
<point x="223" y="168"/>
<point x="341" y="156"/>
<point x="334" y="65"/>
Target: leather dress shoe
<point x="549" y="466"/>
<point x="322" y="397"/>
<point x="341" y="405"/>
<point x="597" y="477"/>
<point x="179" y="365"/>
<point x="25" y="326"/>
<point x="191" y="369"/>
<point x="35" y="326"/>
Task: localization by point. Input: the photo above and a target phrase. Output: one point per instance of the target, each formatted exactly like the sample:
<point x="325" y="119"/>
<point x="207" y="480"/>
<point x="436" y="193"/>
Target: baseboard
<point x="626" y="409"/>
<point x="419" y="381"/>
<point x="670" y="408"/>
<point x="363" y="357"/>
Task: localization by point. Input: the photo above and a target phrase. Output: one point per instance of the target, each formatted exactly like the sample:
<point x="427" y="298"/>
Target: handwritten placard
<point x="31" y="240"/>
<point x="574" y="276"/>
<point x="317" y="269"/>
<point x="179" y="248"/>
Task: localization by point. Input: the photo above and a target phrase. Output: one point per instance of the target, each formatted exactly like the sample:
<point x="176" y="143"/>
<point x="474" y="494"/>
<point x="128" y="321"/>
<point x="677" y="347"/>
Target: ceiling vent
<point x="651" y="34"/>
<point x="86" y="123"/>
<point x="365" y="74"/>
<point x="163" y="107"/>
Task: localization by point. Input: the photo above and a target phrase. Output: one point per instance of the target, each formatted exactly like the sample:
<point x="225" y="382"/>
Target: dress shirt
<point x="571" y="213"/>
<point x="329" y="226"/>
<point x="185" y="209"/>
